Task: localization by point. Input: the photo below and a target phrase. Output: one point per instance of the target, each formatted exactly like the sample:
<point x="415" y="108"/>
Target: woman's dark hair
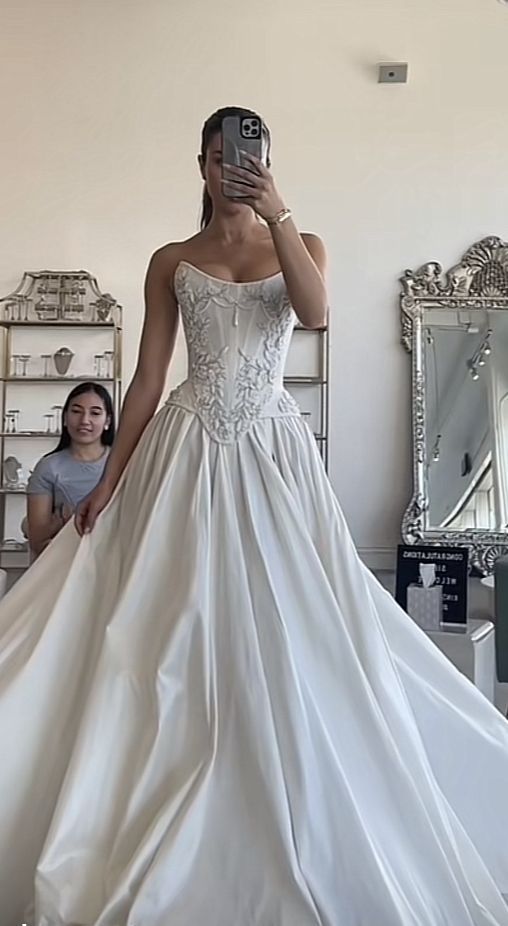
<point x="213" y="126"/>
<point x="107" y="436"/>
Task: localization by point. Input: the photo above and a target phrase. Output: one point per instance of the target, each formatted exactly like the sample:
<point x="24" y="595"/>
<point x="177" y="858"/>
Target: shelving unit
<point x="307" y="379"/>
<point x="55" y="324"/>
<point x="30" y="380"/>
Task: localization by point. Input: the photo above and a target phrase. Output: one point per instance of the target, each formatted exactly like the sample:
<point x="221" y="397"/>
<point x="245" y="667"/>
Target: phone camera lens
<point x="251" y="128"/>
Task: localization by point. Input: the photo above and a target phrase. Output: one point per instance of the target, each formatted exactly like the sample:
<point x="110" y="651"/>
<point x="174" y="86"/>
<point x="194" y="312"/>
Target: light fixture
<point x="480" y="355"/>
<point x="466" y="465"/>
<point x="473" y="369"/>
<point x="486" y="347"/>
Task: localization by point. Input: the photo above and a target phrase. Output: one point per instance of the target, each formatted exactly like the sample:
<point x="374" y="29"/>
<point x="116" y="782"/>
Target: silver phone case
<point x="242" y="133"/>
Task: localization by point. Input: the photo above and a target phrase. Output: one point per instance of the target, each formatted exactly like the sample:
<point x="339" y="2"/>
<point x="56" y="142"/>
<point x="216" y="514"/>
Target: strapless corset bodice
<point x="237" y="335"/>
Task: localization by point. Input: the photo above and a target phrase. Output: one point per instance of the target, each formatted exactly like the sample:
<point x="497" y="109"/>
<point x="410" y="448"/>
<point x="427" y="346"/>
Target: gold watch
<point x="281" y="217"/>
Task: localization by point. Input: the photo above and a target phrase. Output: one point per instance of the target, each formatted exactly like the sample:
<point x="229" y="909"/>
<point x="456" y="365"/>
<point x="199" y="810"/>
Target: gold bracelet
<point x="281" y="217"/>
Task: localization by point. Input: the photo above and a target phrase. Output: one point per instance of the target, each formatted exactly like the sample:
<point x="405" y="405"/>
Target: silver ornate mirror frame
<point x="479" y="282"/>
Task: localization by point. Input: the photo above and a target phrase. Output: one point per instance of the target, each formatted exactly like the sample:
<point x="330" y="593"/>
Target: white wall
<point x="100" y="125"/>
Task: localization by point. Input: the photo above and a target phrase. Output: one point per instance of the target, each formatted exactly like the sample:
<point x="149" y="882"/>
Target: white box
<point x="472" y="651"/>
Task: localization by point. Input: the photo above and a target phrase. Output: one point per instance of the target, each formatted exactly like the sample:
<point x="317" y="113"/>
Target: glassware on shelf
<point x="10" y="310"/>
<point x="23" y="477"/>
<point x="15" y="365"/>
<point x="9" y="423"/>
<point x="46" y="364"/>
<point x="49" y="417"/>
<point x="14" y="415"/>
<point x="109" y="358"/>
<point x="99" y="365"/>
<point x="57" y="411"/>
<point x="22" y="309"/>
<point x="16" y="310"/>
<point x="24" y="360"/>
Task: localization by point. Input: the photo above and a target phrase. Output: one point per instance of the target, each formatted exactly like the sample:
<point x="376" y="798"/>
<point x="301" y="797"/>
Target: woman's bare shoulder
<point x="177" y="250"/>
<point x="166" y="258"/>
<point x="312" y="241"/>
<point x="316" y="249"/>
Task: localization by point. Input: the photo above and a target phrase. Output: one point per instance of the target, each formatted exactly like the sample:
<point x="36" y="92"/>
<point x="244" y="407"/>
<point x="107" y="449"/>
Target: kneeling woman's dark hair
<point x="108" y="435"/>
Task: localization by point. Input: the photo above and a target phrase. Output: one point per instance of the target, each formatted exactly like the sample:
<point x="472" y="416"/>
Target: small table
<point x="472" y="651"/>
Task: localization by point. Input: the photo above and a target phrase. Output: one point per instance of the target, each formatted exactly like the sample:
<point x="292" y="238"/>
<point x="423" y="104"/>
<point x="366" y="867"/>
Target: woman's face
<point x="86" y="419"/>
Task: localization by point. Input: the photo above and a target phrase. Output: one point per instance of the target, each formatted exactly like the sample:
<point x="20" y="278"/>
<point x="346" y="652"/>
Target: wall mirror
<point x="455" y="325"/>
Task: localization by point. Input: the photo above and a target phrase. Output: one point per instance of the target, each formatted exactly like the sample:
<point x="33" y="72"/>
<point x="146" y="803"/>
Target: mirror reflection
<point x="466" y="398"/>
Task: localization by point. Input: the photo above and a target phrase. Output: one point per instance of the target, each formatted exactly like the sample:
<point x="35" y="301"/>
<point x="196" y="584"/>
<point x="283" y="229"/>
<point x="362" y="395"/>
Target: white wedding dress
<point x="211" y="713"/>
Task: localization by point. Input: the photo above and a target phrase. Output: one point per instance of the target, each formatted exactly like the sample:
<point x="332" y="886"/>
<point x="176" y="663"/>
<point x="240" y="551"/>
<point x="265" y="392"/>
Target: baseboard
<point x="379" y="559"/>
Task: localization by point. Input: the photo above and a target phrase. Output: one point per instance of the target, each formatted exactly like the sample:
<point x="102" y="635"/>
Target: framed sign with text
<point x="447" y="568"/>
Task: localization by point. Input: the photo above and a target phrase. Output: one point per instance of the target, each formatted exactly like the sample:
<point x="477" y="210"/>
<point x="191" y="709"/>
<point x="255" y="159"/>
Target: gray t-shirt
<point x="66" y="479"/>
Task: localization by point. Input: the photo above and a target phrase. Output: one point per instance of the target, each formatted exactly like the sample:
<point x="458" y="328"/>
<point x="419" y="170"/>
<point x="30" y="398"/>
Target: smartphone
<point x="242" y="133"/>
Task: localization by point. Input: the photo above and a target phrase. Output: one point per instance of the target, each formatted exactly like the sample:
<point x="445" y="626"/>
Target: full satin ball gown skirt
<point x="211" y="712"/>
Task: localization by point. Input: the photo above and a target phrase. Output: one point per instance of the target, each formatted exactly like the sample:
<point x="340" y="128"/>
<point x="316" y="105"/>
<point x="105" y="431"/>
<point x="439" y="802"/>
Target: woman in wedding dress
<point x="210" y="711"/>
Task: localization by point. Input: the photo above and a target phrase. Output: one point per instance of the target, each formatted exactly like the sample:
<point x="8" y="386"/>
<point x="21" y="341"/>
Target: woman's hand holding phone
<point x="253" y="186"/>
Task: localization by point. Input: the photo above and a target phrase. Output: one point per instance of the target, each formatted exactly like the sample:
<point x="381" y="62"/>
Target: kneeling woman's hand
<point x="90" y="508"/>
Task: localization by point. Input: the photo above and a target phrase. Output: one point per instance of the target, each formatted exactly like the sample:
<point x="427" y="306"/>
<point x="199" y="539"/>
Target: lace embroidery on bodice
<point x="238" y="336"/>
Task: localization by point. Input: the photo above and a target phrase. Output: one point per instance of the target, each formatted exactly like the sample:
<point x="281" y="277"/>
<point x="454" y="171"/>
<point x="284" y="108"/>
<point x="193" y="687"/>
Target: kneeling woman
<point x="63" y="478"/>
